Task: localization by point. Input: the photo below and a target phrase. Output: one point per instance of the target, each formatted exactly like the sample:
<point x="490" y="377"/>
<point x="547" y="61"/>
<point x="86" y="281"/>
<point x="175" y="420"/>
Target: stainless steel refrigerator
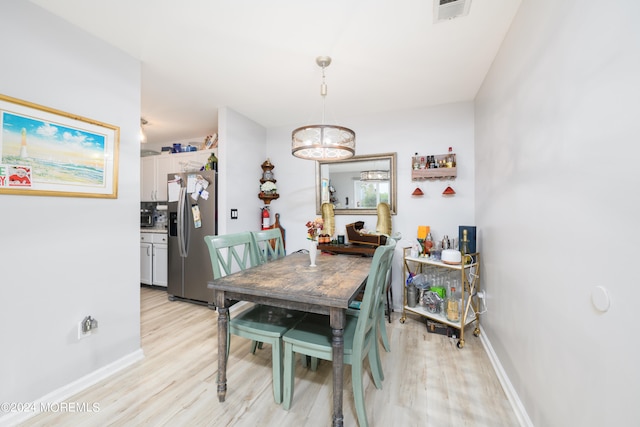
<point x="192" y="215"/>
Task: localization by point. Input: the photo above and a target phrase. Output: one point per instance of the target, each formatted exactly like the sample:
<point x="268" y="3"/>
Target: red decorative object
<point x="417" y="192"/>
<point x="448" y="191"/>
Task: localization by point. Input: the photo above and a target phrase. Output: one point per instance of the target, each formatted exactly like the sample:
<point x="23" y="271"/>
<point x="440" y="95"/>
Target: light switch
<point x="234" y="213"/>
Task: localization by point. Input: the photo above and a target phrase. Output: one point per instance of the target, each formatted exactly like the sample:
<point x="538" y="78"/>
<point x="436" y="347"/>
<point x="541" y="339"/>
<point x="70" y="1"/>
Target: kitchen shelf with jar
<point x="467" y="275"/>
<point x="433" y="166"/>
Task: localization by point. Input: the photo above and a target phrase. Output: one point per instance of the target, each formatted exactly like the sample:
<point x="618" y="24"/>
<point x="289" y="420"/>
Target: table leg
<point x="337" y="344"/>
<point x="223" y="324"/>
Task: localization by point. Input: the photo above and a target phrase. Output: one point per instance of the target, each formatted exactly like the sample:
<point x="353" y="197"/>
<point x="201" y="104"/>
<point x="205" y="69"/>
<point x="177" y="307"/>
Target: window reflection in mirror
<point x="355" y="186"/>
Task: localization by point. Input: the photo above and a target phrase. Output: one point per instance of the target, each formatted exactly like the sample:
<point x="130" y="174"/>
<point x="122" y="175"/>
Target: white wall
<point x="557" y="209"/>
<point x="426" y="131"/>
<point x="63" y="258"/>
<point x="241" y="149"/>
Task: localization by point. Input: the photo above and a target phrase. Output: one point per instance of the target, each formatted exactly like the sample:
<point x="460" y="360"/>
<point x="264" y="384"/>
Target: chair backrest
<point x="269" y="244"/>
<point x="377" y="279"/>
<point x="387" y="283"/>
<point x="231" y="252"/>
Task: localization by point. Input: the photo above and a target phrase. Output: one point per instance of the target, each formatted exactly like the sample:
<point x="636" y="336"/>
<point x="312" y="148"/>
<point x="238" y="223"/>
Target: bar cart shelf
<point x="469" y="279"/>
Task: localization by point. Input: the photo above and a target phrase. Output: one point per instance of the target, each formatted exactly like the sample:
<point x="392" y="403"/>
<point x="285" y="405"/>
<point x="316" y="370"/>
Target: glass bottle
<point x="212" y="162"/>
<point x="428" y="244"/>
<point x="412" y="295"/>
<point x="464" y="248"/>
<point x="452" y="306"/>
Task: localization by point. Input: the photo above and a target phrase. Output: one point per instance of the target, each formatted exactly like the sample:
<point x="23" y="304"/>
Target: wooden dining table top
<point x="333" y="283"/>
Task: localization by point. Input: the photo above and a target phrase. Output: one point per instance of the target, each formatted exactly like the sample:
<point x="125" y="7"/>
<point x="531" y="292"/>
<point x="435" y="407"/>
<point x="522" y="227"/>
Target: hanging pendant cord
<point x="323" y="93"/>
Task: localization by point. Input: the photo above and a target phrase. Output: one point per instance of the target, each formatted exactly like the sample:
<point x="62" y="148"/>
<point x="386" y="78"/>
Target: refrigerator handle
<point x="182" y="244"/>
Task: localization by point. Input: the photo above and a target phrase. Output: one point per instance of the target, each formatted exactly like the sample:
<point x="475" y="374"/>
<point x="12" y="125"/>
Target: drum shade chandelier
<point x="374" y="175"/>
<point x="323" y="142"/>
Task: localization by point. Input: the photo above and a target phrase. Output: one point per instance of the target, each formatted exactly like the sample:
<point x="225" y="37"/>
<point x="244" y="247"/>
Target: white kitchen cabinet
<point x="154" y="259"/>
<point x="146" y="263"/>
<point x="154" y="171"/>
<point x="148" y="179"/>
<point x="160" y="273"/>
<point x="164" y="165"/>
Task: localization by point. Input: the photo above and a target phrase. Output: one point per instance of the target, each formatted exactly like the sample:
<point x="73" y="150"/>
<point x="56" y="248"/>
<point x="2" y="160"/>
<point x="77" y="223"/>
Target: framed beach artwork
<point x="46" y="152"/>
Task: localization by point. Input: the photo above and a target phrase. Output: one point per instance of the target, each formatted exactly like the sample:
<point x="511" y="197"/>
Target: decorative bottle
<point x="449" y="162"/>
<point x="416" y="162"/>
<point x="464" y="248"/>
<point x="452" y="306"/>
<point x="427" y="245"/>
<point x="412" y="295"/>
<point x="212" y="163"/>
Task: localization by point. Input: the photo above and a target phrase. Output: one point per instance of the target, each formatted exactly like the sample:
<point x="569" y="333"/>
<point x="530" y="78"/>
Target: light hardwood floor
<point x="428" y="381"/>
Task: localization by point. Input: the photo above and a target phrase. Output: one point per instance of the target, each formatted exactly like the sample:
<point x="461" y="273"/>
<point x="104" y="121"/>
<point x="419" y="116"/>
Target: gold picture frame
<point x="47" y="152"/>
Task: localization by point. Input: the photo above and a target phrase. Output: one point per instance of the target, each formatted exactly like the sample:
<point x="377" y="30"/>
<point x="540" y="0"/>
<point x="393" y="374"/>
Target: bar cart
<point x="468" y="275"/>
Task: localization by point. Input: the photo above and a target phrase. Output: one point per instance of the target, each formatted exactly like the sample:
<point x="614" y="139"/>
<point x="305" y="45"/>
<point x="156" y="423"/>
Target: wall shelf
<point x="433" y="166"/>
<point x="267" y="176"/>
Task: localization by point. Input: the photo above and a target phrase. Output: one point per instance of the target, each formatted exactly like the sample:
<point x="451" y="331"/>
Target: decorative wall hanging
<point x="448" y="192"/>
<point x="268" y="189"/>
<point x="47" y="152"/>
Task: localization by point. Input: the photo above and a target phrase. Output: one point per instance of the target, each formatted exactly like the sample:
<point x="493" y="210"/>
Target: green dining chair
<point x="259" y="323"/>
<point x="354" y="310"/>
<point x="269" y="244"/>
<point x="313" y="336"/>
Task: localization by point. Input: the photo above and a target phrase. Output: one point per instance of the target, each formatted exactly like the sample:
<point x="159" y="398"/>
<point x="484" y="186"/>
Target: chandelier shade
<point x="323" y="142"/>
<point x="374" y="175"/>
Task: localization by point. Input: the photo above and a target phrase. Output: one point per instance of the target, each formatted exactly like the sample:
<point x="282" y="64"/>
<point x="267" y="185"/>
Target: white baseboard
<point x="512" y="396"/>
<point x="65" y="392"/>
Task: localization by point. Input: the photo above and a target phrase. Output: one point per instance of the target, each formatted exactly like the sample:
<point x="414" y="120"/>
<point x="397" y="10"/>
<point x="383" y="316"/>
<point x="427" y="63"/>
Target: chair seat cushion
<point x="270" y="321"/>
<point x="315" y="333"/>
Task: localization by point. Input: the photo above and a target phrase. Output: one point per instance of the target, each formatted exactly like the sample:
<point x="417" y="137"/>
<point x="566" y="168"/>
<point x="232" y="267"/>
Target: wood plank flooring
<point x="428" y="381"/>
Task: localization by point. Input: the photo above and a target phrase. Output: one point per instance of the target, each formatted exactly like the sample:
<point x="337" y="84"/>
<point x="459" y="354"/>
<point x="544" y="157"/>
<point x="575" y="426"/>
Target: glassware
<point x="452" y="306"/>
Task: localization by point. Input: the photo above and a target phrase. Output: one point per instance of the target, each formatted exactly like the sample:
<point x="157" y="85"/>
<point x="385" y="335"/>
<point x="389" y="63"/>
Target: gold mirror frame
<point x="356" y="165"/>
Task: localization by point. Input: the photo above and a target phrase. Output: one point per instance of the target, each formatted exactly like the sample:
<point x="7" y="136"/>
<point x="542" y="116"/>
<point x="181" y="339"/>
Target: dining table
<point x="290" y="282"/>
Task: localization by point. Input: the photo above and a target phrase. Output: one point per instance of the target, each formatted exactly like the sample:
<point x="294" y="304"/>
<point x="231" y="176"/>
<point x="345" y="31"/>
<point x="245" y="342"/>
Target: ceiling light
<point x="143" y="137"/>
<point x="323" y="142"/>
<point x="375" y="175"/>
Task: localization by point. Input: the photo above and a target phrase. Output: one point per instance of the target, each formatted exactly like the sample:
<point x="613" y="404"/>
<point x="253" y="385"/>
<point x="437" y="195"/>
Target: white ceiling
<point x="258" y="57"/>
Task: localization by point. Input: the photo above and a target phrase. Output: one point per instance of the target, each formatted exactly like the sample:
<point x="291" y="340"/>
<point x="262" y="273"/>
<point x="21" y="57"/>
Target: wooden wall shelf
<point x="438" y="173"/>
<point x="446" y="169"/>
<point x="267" y="198"/>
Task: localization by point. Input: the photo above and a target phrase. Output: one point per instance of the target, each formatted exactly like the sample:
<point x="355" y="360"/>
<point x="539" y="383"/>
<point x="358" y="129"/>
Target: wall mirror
<point x="355" y="186"/>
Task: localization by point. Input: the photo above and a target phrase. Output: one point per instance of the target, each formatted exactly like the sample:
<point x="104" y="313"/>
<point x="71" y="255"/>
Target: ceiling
<point x="258" y="57"/>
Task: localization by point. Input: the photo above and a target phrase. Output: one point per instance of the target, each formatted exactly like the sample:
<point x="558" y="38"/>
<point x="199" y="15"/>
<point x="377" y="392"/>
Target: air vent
<point x="444" y="10"/>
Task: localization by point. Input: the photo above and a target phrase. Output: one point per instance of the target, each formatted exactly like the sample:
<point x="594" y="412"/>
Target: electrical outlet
<point x="86" y="327"/>
<point x="81" y="330"/>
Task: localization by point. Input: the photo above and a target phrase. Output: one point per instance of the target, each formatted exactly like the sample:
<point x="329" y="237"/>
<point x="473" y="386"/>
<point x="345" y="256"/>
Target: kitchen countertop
<point x="154" y="230"/>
